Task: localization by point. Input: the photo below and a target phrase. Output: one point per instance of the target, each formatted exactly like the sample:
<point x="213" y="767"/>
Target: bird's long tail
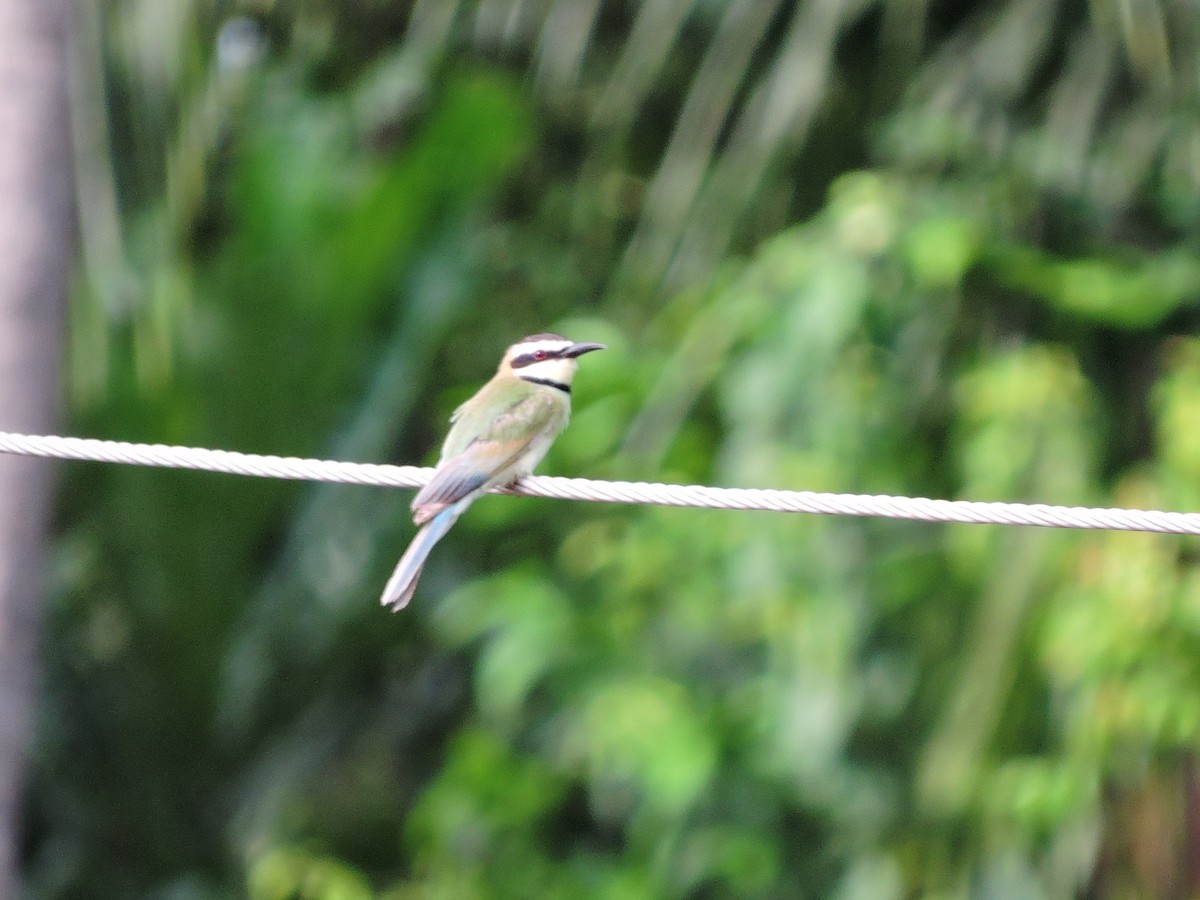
<point x="399" y="589"/>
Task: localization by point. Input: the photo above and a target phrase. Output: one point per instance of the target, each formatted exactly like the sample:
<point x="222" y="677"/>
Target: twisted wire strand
<point x="916" y="508"/>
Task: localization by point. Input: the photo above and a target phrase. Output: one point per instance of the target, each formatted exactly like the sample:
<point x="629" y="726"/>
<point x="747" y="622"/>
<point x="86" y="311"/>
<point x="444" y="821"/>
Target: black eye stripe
<point x="526" y="359"/>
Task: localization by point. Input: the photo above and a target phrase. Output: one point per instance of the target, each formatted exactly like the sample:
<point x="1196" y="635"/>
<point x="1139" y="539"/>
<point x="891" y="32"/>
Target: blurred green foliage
<point x="887" y="247"/>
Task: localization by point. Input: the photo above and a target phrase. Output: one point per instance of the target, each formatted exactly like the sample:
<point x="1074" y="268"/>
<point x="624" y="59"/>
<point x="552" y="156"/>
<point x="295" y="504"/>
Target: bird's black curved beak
<point x="579" y="349"/>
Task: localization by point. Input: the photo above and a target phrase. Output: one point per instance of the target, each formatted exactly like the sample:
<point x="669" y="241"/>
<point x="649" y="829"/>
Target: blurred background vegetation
<point x="908" y="246"/>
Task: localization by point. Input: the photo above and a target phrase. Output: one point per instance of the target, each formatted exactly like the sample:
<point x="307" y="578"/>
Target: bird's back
<point x="498" y="435"/>
<point x="504" y="411"/>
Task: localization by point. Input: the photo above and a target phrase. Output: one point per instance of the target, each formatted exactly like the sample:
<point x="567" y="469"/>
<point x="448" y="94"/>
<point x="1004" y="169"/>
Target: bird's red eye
<point x="539" y="354"/>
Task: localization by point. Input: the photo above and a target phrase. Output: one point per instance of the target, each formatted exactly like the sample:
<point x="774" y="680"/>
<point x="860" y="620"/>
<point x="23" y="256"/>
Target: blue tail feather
<point x="400" y="587"/>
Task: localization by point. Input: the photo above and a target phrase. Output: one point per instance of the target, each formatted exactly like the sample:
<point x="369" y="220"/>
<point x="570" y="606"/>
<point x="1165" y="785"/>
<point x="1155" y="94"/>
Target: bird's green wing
<point x="488" y="459"/>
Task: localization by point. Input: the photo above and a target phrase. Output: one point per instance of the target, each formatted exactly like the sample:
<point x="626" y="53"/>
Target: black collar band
<point x="557" y="385"/>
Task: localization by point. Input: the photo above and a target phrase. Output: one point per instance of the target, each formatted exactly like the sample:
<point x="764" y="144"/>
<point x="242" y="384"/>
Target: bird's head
<point x="545" y="359"/>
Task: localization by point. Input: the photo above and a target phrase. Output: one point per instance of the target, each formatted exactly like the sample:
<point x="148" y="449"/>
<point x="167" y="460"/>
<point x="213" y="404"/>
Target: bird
<point x="495" y="437"/>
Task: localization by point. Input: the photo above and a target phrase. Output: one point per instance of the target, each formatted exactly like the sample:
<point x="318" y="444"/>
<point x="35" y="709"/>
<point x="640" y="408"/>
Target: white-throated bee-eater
<point x="496" y="437"/>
